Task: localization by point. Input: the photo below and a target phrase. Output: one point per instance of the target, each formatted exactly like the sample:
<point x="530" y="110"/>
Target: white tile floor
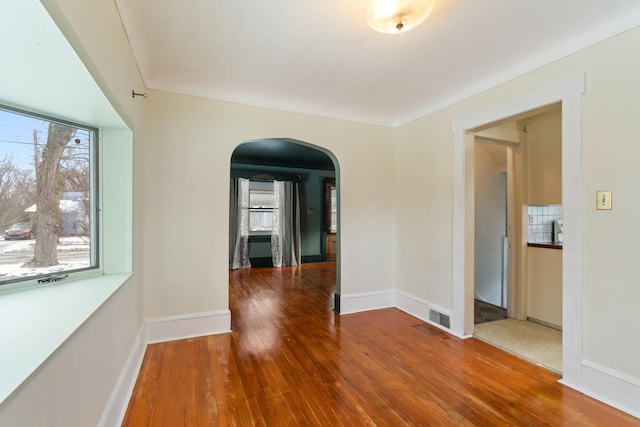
<point x="531" y="341"/>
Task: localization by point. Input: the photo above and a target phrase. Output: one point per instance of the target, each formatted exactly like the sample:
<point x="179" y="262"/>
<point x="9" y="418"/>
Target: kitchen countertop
<point x="546" y="245"/>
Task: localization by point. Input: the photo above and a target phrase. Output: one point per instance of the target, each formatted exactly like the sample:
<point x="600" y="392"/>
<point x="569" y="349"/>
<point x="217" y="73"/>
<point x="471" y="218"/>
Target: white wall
<point x="191" y="142"/>
<point x="490" y="221"/>
<point x="611" y="108"/>
<point x="73" y="387"/>
<point x="424" y="197"/>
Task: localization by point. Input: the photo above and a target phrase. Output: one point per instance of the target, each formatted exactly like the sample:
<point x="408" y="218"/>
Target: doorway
<point x="491" y="243"/>
<point x="308" y="167"/>
<point x="529" y="325"/>
<point x="569" y="93"/>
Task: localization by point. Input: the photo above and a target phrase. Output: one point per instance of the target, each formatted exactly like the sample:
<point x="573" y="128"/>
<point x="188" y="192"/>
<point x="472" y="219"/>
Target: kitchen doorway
<point x="514" y="167"/>
<point x="491" y="242"/>
<point x="569" y="93"/>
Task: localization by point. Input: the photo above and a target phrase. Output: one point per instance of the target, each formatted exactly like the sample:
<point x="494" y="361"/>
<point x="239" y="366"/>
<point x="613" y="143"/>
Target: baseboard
<point x="609" y="386"/>
<point x="355" y="303"/>
<point x="153" y="331"/>
<point x="413" y="305"/>
<point x="260" y="262"/>
<point x="117" y="405"/>
<point x="268" y="262"/>
<point x="420" y="308"/>
<point x="311" y="259"/>
<point x="187" y="326"/>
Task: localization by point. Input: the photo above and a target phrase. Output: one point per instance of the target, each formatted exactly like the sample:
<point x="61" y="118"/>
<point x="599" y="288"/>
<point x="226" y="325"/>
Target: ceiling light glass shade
<point x="397" y="16"/>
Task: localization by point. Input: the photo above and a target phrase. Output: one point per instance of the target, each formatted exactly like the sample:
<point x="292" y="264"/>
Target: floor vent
<point x="439" y="318"/>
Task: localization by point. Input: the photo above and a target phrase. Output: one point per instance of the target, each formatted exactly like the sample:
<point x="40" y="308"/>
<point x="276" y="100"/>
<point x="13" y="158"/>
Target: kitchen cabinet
<point x="544" y="284"/>
<point x="544" y="158"/>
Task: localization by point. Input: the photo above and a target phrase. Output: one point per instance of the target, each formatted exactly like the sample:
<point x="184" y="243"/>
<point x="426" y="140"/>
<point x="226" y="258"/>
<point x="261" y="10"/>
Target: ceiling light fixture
<point x="397" y="16"/>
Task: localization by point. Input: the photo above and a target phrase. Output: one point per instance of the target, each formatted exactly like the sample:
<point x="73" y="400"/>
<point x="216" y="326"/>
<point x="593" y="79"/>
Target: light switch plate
<point x="603" y="200"/>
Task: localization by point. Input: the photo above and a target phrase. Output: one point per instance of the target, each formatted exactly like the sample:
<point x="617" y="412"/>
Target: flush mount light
<point x="397" y="16"/>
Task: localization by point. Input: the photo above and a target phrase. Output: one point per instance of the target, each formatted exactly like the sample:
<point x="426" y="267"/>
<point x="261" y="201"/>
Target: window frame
<point x="259" y="186"/>
<point x="329" y="226"/>
<point x="95" y="253"/>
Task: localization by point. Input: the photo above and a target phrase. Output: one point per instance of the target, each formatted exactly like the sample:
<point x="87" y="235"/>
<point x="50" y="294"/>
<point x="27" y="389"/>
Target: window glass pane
<point x="260" y="209"/>
<point x="260" y="220"/>
<point x="46" y="197"/>
<point x="333" y="226"/>
<point x="260" y="199"/>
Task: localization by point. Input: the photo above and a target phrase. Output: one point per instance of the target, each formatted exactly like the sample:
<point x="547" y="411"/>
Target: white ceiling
<point x="320" y="57"/>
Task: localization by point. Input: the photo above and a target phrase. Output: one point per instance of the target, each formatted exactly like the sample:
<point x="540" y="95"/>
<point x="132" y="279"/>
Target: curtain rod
<point x="263" y="177"/>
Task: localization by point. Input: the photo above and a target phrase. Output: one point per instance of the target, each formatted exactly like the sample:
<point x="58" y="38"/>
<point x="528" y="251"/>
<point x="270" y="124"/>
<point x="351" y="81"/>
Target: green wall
<point x="311" y="208"/>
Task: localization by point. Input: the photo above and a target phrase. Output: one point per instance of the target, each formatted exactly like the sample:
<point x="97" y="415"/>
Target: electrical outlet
<point x="603" y="200"/>
<point x="530" y="219"/>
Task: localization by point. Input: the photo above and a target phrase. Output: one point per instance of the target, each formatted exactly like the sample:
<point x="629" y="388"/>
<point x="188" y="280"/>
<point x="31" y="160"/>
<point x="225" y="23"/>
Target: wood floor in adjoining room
<point x="290" y="361"/>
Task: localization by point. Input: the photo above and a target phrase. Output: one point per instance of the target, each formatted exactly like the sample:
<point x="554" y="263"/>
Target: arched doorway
<point x="315" y="170"/>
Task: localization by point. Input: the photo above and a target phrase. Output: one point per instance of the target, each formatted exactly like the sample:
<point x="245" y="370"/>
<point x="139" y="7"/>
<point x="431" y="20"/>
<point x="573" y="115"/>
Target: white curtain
<point x="285" y="233"/>
<point x="239" y="224"/>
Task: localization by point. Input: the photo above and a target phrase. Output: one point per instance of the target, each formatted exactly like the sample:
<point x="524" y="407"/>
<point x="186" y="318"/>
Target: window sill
<point x="36" y="321"/>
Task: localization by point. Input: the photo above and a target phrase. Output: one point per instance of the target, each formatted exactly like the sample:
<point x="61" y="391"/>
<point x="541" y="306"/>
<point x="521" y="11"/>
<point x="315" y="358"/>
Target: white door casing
<point x="569" y="92"/>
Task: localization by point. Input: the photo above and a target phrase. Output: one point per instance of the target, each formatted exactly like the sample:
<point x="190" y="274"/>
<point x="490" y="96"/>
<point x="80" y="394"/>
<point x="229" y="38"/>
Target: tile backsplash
<point x="541" y="219"/>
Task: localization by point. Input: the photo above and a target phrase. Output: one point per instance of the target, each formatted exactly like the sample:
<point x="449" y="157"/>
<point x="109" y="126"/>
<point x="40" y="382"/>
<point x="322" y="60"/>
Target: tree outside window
<point x="46" y="196"/>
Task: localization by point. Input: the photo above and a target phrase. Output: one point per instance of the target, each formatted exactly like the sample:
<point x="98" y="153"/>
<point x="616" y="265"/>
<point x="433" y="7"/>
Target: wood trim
<point x="116" y="407"/>
<point x="356" y="303"/>
<point x="310" y="259"/>
<point x="184" y="326"/>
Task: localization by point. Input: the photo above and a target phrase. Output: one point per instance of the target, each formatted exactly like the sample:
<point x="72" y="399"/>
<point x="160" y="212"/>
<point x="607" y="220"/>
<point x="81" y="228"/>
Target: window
<point x="333" y="209"/>
<point x="261" y="200"/>
<point x="331" y="206"/>
<point x="47" y="197"/>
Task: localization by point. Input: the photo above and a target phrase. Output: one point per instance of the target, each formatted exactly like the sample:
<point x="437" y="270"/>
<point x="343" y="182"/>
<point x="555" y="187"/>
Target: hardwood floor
<point x="292" y="362"/>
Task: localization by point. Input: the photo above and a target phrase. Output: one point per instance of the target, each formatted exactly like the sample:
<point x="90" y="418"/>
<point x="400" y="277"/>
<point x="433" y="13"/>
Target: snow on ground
<point x="8" y="271"/>
<point x="73" y="253"/>
<point x="18" y="246"/>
